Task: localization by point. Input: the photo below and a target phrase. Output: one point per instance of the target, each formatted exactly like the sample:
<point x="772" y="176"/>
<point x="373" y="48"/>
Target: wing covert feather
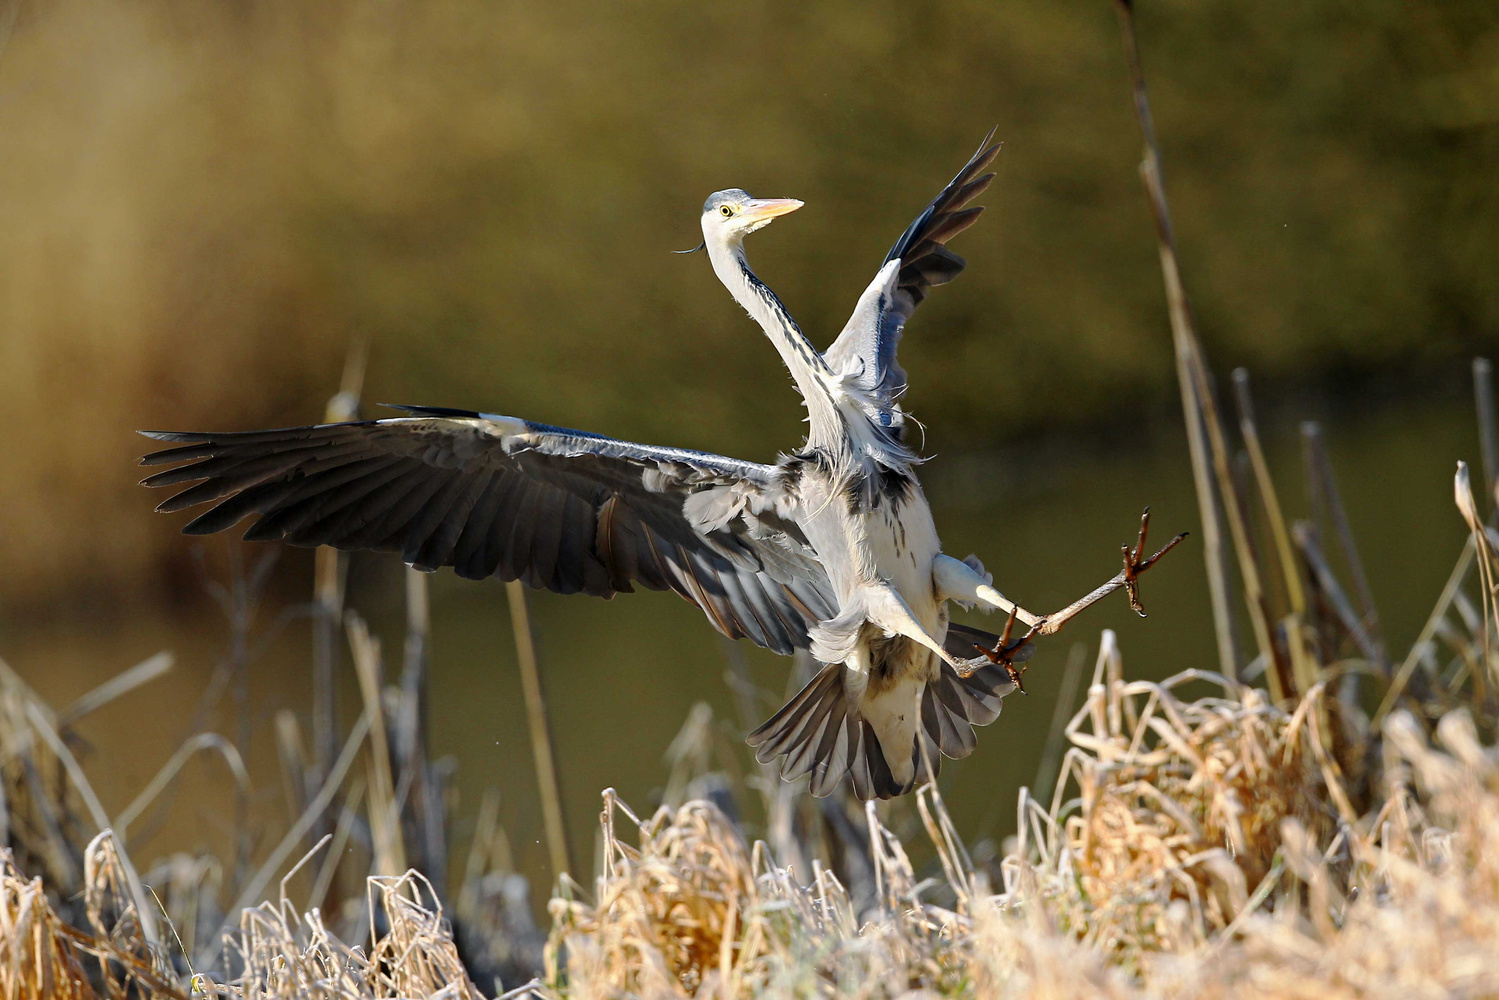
<point x="491" y="495"/>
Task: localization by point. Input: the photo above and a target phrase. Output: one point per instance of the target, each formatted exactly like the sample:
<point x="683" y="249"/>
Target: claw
<point x="1003" y="653"/>
<point x="1134" y="566"/>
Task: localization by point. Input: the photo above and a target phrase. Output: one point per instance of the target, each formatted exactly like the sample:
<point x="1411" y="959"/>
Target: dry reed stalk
<point x="330" y="569"/>
<point x="385" y="818"/>
<point x="1488" y="428"/>
<point x="1249" y="431"/>
<point x="540" y="730"/>
<point x="1328" y="500"/>
<point x="1205" y="438"/>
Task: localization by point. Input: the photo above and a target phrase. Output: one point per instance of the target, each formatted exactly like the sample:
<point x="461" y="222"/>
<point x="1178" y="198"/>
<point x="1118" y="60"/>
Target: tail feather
<point x="949" y="729"/>
<point x="823" y="718"/>
<point x="870" y="770"/>
<point x="779" y="733"/>
<point x="858" y="763"/>
<point x="838" y="748"/>
<point x="951" y="706"/>
<point x="982" y="694"/>
<point x="822" y="732"/>
<point x="924" y="751"/>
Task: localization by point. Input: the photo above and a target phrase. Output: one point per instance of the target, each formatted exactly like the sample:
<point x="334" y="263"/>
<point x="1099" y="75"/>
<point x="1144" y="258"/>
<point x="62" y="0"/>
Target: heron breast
<point x="895" y="658"/>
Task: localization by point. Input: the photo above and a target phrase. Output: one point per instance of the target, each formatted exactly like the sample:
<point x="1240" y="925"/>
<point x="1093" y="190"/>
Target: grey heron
<point x="832" y="549"/>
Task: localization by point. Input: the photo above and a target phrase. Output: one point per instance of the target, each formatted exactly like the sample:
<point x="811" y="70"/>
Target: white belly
<point x="869" y="555"/>
<point x="880" y="565"/>
<point x="901" y="542"/>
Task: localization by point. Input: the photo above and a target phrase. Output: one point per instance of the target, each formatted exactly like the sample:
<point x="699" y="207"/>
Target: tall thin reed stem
<point x="385" y="819"/>
<point x="1488" y="428"/>
<point x="540" y="729"/>
<point x="1197" y="404"/>
<point x="328" y="588"/>
<point x="1320" y="475"/>
<point x="1249" y="430"/>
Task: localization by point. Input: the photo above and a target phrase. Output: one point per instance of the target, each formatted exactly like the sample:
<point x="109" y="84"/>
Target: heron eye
<point x="727" y="211"/>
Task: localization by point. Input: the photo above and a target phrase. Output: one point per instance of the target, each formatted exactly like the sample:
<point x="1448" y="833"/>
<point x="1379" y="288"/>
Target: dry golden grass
<point x="1182" y="869"/>
<point x="279" y="952"/>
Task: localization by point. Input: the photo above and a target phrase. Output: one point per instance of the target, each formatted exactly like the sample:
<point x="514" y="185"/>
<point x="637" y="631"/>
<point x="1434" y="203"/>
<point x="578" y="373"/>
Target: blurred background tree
<point x="201" y="202"/>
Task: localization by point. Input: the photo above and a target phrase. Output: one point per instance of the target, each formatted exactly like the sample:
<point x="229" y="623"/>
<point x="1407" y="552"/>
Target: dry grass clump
<point x="1176" y="800"/>
<point x="665" y="911"/>
<point x="280" y="952"/>
<point x="1404" y="903"/>
<point x="691" y="911"/>
<point x="284" y="953"/>
<point x="1137" y="887"/>
<point x="43" y="956"/>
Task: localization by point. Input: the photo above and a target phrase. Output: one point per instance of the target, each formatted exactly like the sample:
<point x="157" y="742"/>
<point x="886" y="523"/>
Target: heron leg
<point x="885" y="607"/>
<point x="956" y="580"/>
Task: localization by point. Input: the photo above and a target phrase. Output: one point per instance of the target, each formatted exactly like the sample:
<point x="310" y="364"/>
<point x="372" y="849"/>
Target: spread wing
<point x="497" y="496"/>
<point x="865" y="350"/>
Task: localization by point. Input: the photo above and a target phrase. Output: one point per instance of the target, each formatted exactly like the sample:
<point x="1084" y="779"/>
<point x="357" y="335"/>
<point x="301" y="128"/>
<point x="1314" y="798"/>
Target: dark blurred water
<point x="622" y="675"/>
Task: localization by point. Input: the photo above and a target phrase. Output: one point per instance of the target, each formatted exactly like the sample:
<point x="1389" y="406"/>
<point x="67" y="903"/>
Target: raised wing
<point x="497" y="496"/>
<point x="865" y="351"/>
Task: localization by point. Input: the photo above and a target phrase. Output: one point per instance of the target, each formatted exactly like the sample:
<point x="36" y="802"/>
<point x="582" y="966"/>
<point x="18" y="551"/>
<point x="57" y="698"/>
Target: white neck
<point x="837" y="425"/>
<point x="808" y="369"/>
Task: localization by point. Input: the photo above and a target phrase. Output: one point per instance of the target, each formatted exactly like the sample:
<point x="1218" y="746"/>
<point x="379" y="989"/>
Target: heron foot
<point x="1134" y="565"/>
<point x="1004" y="652"/>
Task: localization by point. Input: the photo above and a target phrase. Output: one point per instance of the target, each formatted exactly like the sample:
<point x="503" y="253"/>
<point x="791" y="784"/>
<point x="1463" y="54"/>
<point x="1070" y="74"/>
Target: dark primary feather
<point x="924" y="258"/>
<point x="493" y="496"/>
<point x="924" y="261"/>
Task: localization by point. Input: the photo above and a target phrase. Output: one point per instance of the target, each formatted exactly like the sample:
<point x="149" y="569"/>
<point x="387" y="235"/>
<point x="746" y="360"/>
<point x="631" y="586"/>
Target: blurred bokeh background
<point x="201" y="203"/>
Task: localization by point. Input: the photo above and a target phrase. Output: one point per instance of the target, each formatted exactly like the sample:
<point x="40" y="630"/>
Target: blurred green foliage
<point x="202" y="201"/>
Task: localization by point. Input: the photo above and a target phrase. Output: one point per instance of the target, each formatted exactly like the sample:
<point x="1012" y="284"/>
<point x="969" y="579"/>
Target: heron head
<point x="728" y="216"/>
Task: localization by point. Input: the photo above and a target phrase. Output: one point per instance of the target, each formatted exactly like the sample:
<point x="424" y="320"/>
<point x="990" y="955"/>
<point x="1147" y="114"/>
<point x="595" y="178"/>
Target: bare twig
<point x="118" y="685"/>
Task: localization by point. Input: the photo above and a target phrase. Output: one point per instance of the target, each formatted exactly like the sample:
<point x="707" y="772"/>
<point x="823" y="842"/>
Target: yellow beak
<point x="765" y="209"/>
